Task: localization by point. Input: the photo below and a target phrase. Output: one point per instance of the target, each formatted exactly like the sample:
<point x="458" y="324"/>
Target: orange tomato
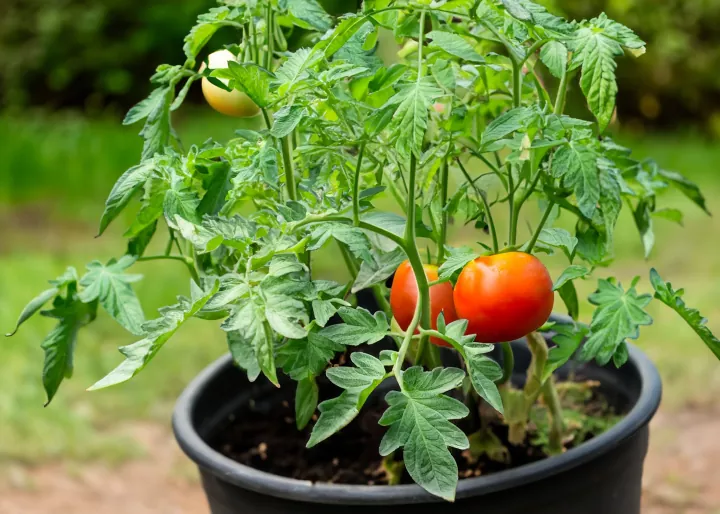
<point x="504" y="296"/>
<point x="404" y="297"/>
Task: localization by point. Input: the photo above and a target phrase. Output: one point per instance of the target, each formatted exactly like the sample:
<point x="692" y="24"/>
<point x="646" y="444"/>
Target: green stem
<point x="266" y="117"/>
<point x="255" y="49"/>
<point x="512" y="235"/>
<point x="562" y="94"/>
<point x="288" y="166"/>
<point x="402" y="352"/>
<point x="185" y="260"/>
<point x="444" y="217"/>
<point x="557" y="427"/>
<point x="486" y="204"/>
<point x="508" y="363"/>
<point x="270" y="37"/>
<point x="544" y="218"/>
<point x="415" y="260"/>
<point x="377" y="290"/>
<point x="171" y="240"/>
<point x="517" y="83"/>
<point x="356" y="186"/>
<point x="421" y="43"/>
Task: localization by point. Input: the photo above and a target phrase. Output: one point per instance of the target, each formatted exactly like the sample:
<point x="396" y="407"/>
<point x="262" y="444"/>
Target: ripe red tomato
<point x="504" y="296"/>
<point x="404" y="296"/>
<point x="231" y="103"/>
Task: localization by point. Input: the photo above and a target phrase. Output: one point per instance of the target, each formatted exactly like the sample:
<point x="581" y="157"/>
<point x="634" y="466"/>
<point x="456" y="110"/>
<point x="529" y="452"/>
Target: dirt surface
<point x="680" y="476"/>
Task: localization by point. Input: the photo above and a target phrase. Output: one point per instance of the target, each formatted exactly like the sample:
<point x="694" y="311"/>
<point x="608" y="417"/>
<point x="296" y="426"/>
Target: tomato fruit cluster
<point x="503" y="297"/>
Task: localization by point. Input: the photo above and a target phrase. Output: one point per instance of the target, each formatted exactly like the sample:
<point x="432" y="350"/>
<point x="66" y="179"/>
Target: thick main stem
<point x="557" y="426"/>
<point x="289" y="169"/>
<point x="517" y="83"/>
<point x="512" y="232"/>
<point x="562" y="94"/>
<point x="416" y="261"/>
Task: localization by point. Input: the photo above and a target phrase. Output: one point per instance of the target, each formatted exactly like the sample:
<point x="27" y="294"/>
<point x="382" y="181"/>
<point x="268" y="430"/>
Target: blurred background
<point x="69" y="69"/>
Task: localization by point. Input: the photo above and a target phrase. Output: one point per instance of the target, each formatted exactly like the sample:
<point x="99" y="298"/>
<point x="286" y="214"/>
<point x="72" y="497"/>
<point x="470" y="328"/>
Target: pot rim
<point x="341" y="494"/>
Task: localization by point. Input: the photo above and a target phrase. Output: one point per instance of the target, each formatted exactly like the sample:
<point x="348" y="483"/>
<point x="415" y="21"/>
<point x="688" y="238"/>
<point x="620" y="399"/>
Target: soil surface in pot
<point x="262" y="434"/>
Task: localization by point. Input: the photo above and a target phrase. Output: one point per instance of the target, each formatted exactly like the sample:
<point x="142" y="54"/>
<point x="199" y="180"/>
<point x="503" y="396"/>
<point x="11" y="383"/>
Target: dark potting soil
<point x="262" y="434"/>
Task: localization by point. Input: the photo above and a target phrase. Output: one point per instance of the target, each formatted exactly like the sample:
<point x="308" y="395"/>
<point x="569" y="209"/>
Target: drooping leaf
<point x="618" y="316"/>
<point x="157" y="333"/>
<point x="673" y="299"/>
<point x="124" y="189"/>
<point x="686" y="187"/>
<point x="33" y="307"/>
<point x="517" y="10"/>
<point x="455" y="45"/>
<point x="110" y="285"/>
<point x="554" y="55"/>
<point x="643" y="221"/>
<point x="359" y="327"/>
<point x="342" y="33"/>
<point x="569" y="274"/>
<point x="306" y="400"/>
<point x="59" y="344"/>
<point x="207" y="24"/>
<point x="242" y="351"/>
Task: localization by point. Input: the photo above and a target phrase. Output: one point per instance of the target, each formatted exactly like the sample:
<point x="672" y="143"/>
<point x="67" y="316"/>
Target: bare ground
<point x="680" y="476"/>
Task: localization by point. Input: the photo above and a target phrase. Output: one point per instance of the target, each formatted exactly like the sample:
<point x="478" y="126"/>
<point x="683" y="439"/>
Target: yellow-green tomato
<point x="232" y="103"/>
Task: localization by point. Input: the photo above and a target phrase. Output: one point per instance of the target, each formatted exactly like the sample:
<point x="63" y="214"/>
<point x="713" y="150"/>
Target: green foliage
<point x="245" y="216"/>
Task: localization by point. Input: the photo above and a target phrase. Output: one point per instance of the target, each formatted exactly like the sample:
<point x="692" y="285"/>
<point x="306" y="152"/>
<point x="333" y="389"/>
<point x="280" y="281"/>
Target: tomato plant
<point x="233" y="102"/>
<point x="404" y="297"/>
<point x="355" y="153"/>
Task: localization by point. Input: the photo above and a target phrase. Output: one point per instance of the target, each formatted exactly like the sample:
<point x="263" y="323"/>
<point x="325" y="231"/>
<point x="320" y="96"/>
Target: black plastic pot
<point x="601" y="476"/>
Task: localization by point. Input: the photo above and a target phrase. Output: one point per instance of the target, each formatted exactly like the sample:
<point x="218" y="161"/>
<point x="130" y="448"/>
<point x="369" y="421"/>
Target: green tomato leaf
<point x="360" y="327"/>
<point x="643" y="221"/>
<point x="137" y="245"/>
<point x="295" y="69"/>
<point x="567" y="339"/>
<point x="59" y="344"/>
<point x="686" y="187"/>
<point x="207" y="24"/>
<point x="355" y="239"/>
<point x="180" y="202"/>
<point x="569" y="296"/>
<point x="674" y="215"/>
<point x="618" y="316"/>
<point x="411" y="116"/>
<point x="595" y="46"/>
<point x="507" y="123"/>
<point x="124" y="189"/>
<point x="342" y="33"/>
<point x="251" y="79"/>
<point x="242" y="351"/>
<point x="569" y="274"/>
<point x="484" y="372"/>
<point x="554" y="55"/>
<point x="110" y="285"/>
<point x="306" y="400"/>
<point x="157" y="333"/>
<point x="377" y="270"/>
<point x="359" y="382"/>
<point x="308" y="357"/>
<point x="559" y="238"/>
<point x="217" y="189"/>
<point x="517" y="10"/>
<point x="420" y="423"/>
<point x="576" y="163"/>
<point x="286" y="119"/>
<point x="33" y="307"/>
<point x="673" y="299"/>
<point x="455" y="45"/>
<point x="456" y="260"/>
<point x="309" y="14"/>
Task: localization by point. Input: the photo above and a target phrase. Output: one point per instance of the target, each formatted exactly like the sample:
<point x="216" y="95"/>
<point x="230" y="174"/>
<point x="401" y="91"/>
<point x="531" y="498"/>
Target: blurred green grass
<point x="55" y="172"/>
